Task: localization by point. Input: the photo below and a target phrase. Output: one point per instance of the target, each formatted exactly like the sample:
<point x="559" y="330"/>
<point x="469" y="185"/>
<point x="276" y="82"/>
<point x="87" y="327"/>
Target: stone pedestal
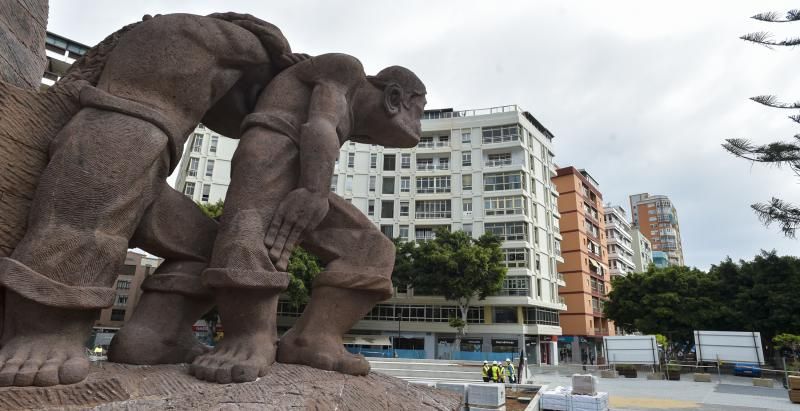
<point x="286" y="387"/>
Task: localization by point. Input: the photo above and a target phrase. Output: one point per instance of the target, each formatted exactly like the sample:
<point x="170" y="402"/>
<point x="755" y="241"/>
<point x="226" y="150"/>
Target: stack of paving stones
<point x="794" y="389"/>
<point x="485" y="397"/>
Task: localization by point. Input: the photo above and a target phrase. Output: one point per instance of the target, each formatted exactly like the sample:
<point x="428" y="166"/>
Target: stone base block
<point x="794" y="396"/>
<point x="763" y="382"/>
<point x="486" y="395"/>
<point x="170" y="387"/>
<point x="609" y="374"/>
<point x="655" y="376"/>
<point x="702" y="377"/>
<point x="794" y="382"/>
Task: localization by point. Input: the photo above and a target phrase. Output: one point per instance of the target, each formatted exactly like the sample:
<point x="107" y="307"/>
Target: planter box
<point x="794" y="396"/>
<point x="702" y="377"/>
<point x="608" y="374"/>
<point x="655" y="376"/>
<point x="673" y="375"/>
<point x="763" y="382"/>
<point x="794" y="382"/>
<point x="628" y="372"/>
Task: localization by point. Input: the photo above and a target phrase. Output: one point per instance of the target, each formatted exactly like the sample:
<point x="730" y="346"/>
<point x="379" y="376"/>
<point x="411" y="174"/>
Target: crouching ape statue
<point x="104" y="190"/>
<point x="280" y="197"/>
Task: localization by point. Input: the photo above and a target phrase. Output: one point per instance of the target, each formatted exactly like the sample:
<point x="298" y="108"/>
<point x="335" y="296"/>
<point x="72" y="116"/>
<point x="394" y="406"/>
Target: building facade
<point x="205" y="168"/>
<point x="642" y="251"/>
<point x="137" y="267"/>
<point x="585" y="267"/>
<point x="657" y="218"/>
<point x="61" y="52"/>
<point x="620" y="243"/>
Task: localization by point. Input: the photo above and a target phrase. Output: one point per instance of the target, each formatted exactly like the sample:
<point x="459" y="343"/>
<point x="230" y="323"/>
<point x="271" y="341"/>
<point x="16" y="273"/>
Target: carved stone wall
<point x="22" y="32"/>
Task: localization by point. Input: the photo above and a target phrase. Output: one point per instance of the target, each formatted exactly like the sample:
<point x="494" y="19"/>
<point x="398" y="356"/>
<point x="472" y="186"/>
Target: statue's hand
<point x="301" y="210"/>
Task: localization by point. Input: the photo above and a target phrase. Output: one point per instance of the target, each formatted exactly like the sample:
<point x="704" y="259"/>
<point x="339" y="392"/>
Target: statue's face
<point x="405" y="127"/>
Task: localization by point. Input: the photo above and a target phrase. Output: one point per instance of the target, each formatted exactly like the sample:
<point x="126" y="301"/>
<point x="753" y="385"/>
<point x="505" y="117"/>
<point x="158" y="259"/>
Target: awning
<point x="366" y="339"/>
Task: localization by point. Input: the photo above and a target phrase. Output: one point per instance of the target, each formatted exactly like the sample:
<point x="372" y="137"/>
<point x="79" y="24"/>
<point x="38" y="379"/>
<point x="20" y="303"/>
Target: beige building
<point x="657" y="218"/>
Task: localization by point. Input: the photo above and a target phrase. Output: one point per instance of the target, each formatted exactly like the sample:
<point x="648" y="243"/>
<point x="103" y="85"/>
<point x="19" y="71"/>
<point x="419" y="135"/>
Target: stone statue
<point x="280" y="196"/>
<point x="104" y="189"/>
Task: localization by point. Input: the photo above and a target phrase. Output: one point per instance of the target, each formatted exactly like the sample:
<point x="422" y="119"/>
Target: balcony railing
<point x="468" y="113"/>
<point x="431" y="167"/>
<point x="498" y="163"/>
<point x="432" y="214"/>
<point x="500" y="139"/>
<point x="433" y="144"/>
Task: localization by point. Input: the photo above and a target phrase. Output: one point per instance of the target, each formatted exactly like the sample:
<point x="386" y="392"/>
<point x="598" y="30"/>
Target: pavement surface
<point x="725" y="393"/>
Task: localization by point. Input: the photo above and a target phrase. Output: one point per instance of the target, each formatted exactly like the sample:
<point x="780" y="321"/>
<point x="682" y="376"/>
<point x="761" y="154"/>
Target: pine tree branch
<point x="774" y="17"/>
<point x="765" y="39"/>
<point x="795" y="118"/>
<point x="786" y="215"/>
<point x="772" y="101"/>
<point x="777" y="153"/>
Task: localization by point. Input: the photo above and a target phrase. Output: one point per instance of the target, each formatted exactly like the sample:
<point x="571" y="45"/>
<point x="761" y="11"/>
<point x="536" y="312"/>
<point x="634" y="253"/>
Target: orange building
<point x="585" y="267"/>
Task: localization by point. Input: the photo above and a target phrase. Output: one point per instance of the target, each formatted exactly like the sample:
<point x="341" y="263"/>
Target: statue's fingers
<point x="280" y="241"/>
<point x="291" y="242"/>
<point x="274" y="228"/>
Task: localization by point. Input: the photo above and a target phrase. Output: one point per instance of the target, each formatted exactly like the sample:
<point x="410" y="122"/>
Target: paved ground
<point x="730" y="394"/>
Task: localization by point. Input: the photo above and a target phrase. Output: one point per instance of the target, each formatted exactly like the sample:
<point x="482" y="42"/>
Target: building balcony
<point x="433" y="215"/>
<point x="434" y="146"/>
<point x="432" y="167"/>
<point x="601" y="331"/>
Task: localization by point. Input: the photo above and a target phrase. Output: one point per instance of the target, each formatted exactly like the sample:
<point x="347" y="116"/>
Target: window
<point x="502" y="181"/>
<point x="545" y="316"/>
<point x="403" y="234"/>
<point x="348" y="184"/>
<point x="422" y="313"/>
<point x="123" y="285"/>
<point x="444" y="141"/>
<point x="351" y="160"/>
<point x="466" y="136"/>
<point x="504" y="205"/>
<point x="387" y="209"/>
<point x="505" y="315"/>
<point x="206" y="192"/>
<point x="117" y="315"/>
<point x="500" y="134"/>
<point x="188" y="189"/>
<point x="466" y="206"/>
<point x="371" y="208"/>
<point x="404" y="209"/>
<point x="388" y="185"/>
<point x="466" y="182"/>
<point x="515" y="231"/>
<point x="388" y="162"/>
<point x="515" y="257"/>
<point x="334" y="182"/>
<point x="197" y="144"/>
<point x="539" y="287"/>
<point x="425" y="142"/>
<point x="194" y="164"/>
<point x="466" y="159"/>
<point x="405" y="184"/>
<point x="212" y="148"/>
<point x="373" y="161"/>
<point x="424" y="233"/>
<point x="405" y="160"/>
<point x="497" y="160"/>
<point x="515" y="286"/>
<point x="388" y="230"/>
<point x="372" y="180"/>
<point x="432" y="209"/>
<point x="122" y="299"/>
<point x="209" y="168"/>
<point x="467" y="228"/>
<point x="428" y="185"/>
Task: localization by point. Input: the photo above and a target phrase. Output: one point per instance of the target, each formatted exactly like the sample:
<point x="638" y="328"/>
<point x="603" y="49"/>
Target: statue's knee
<point x="382" y="254"/>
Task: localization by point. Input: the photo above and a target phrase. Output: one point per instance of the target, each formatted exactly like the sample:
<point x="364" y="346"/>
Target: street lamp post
<point x="398" y="337"/>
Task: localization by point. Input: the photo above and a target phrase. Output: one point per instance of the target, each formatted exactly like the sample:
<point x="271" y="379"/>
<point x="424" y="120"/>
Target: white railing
<point x="500" y="139"/>
<point x="498" y="163"/>
<point x="474" y="112"/>
<point x="431" y="167"/>
<point x="432" y="214"/>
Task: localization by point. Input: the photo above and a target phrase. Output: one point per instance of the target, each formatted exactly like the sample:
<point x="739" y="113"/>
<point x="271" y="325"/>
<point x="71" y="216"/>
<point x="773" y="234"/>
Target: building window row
<point x="422" y="313"/>
<point x="543" y="316"/>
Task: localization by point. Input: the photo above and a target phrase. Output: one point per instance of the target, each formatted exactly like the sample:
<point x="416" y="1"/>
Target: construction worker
<point x="485" y="371"/>
<point x="511" y="372"/>
<point x="496" y="372"/>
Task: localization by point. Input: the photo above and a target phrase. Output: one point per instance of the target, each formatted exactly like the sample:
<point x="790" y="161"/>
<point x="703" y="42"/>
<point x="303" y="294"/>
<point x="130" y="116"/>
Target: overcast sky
<point x="639" y="93"/>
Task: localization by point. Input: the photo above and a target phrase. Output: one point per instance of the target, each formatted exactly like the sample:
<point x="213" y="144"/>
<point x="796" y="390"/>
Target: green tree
<point x="212" y="210"/>
<point x="785" y="214"/>
<point x="455" y="266"/>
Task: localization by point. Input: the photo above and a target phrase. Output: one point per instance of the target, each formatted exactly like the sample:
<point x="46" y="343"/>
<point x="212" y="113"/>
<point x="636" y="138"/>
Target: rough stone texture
<point x="286" y="387"/>
<point x="22" y="34"/>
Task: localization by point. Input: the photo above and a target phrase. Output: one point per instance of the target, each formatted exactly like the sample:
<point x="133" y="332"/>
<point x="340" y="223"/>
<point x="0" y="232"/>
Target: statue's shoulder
<point x="336" y="66"/>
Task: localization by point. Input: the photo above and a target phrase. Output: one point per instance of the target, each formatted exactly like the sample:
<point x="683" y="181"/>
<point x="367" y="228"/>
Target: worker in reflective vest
<point x="485" y="371"/>
<point x="511" y="372"/>
<point x="496" y="372"/>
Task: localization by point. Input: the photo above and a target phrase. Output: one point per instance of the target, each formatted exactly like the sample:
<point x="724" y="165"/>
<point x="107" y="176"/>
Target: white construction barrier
<point x="631" y="349"/>
<point x="729" y="346"/>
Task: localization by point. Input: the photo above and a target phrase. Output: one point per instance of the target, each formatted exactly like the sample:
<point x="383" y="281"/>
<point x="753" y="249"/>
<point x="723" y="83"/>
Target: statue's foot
<point x="236" y="359"/>
<point x="143" y="345"/>
<point x="43" y="345"/>
<point x="320" y="351"/>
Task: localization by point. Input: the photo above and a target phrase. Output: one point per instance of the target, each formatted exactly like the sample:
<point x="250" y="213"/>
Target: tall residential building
<point x="474" y="170"/>
<point x="205" y="169"/>
<point x="585" y="266"/>
<point x="656" y="217"/>
<point x="642" y="251"/>
<point x="620" y="243"/>
<point x="137" y="267"/>
<point x="61" y="52"/>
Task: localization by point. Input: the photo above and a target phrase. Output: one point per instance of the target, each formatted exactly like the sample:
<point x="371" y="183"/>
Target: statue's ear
<point x="392" y="99"/>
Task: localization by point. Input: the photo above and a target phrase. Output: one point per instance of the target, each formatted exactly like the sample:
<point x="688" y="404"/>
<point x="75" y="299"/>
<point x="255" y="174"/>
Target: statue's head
<point x="394" y="108"/>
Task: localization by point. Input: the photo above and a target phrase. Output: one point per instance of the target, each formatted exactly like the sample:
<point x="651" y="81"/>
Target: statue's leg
<point x="99" y="182"/>
<point x="246" y="284"/>
<point x="160" y="330"/>
<point x="359" y="261"/>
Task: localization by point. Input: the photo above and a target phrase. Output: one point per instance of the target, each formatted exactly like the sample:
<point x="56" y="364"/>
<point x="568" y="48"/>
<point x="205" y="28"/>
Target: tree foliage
<point x="212" y="210"/>
<point x="758" y="295"/>
<point x="453" y="265"/>
<point x="784" y="214"/>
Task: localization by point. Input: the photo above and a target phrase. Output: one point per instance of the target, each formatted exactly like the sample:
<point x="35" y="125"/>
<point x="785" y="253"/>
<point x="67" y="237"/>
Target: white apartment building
<point x="61" y="52"/>
<point x="642" y="251"/>
<point x="474" y="170"/>
<point x="620" y="248"/>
